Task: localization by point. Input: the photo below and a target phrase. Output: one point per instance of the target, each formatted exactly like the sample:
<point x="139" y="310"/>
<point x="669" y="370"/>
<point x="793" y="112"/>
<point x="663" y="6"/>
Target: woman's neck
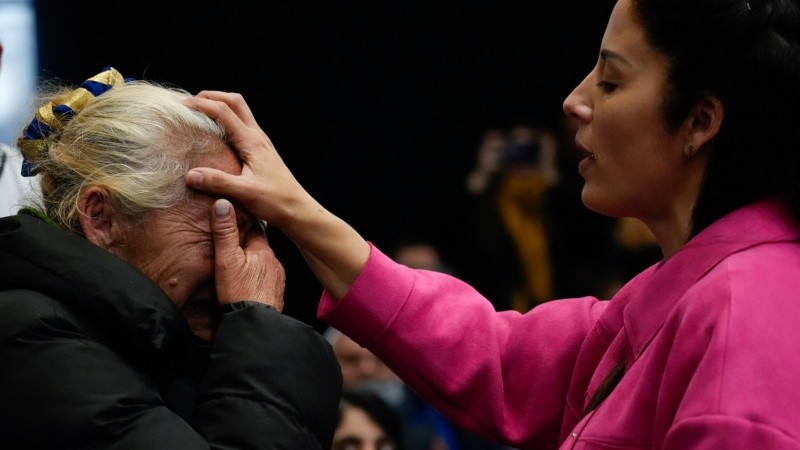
<point x="673" y="231"/>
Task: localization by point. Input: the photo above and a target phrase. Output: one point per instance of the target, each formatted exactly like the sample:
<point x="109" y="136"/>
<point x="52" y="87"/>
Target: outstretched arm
<point x="335" y="252"/>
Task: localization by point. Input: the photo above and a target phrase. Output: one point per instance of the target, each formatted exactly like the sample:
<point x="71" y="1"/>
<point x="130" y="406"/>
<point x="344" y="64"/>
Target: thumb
<point x="226" y="234"/>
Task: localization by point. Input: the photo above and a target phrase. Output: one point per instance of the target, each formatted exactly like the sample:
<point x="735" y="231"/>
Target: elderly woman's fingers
<point x="274" y="285"/>
<point x="249" y="272"/>
<point x="228" y="256"/>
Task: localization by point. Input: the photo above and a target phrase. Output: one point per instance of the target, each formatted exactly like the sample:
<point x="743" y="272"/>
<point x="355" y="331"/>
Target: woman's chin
<point x="592" y="201"/>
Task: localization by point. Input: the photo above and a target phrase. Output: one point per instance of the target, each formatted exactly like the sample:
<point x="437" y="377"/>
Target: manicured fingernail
<point x="194" y="178"/>
<point x="222" y="208"/>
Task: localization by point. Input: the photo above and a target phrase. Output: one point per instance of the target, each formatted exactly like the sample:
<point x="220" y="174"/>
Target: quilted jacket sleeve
<point x="272" y="382"/>
<point x="277" y="388"/>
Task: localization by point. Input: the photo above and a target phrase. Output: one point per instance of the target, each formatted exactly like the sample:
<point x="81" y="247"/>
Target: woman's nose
<point x="578" y="104"/>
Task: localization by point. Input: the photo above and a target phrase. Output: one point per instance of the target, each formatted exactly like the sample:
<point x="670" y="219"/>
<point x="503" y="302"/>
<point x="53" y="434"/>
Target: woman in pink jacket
<point x="688" y="122"/>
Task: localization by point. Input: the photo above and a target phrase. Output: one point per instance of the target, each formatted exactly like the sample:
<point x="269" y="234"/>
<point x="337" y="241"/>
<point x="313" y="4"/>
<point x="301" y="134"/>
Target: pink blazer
<point x="711" y="338"/>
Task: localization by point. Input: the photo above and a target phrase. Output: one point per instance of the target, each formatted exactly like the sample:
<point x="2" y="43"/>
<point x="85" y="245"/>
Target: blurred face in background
<point x="418" y="256"/>
<point x="359" y="364"/>
<point x="357" y="431"/>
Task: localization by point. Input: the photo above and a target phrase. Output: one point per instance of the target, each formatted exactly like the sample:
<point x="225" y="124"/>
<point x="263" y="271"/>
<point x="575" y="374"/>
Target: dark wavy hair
<point x="746" y="53"/>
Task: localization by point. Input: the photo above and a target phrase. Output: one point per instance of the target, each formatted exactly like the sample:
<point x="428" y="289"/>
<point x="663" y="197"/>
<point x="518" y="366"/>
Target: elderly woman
<point x="135" y="313"/>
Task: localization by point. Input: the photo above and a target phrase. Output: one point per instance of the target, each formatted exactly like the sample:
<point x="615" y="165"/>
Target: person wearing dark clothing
<point x="151" y="329"/>
<point x="93" y="352"/>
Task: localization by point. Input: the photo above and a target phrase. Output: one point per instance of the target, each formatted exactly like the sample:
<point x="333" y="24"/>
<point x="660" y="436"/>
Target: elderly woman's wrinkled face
<point x="175" y="249"/>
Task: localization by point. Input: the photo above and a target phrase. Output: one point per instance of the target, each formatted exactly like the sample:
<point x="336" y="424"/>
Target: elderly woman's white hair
<point x="136" y="140"/>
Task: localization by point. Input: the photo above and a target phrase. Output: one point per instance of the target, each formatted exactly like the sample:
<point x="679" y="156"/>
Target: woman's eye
<point x="606" y="86"/>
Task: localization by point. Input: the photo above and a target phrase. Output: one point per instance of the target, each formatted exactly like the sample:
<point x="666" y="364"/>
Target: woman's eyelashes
<point x="606" y="86"/>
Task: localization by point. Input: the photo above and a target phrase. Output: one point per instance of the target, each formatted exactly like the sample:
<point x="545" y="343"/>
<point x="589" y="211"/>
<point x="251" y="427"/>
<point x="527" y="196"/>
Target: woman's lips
<point x="586" y="162"/>
<point x="583" y="166"/>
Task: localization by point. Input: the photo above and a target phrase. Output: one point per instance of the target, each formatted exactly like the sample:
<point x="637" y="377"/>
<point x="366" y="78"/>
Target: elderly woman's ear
<point x="100" y="222"/>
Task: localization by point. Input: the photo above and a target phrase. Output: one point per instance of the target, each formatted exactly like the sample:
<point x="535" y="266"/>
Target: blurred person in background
<point x="513" y="175"/>
<point x="12" y="185"/>
<point x="367" y="422"/>
<point x="420" y="254"/>
<point x="15" y="190"/>
<point x="362" y="371"/>
<point x="423" y="427"/>
<point x="497" y="270"/>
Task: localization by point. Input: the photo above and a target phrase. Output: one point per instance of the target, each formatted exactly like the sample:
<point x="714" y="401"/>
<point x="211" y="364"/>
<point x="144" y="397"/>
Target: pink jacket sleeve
<point x="502" y="375"/>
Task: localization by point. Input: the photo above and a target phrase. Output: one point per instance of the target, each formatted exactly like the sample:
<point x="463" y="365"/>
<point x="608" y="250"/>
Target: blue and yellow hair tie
<point x="50" y="117"/>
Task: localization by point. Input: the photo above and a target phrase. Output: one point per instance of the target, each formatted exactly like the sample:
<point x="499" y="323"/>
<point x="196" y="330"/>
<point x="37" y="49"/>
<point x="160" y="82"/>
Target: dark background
<point x="376" y="106"/>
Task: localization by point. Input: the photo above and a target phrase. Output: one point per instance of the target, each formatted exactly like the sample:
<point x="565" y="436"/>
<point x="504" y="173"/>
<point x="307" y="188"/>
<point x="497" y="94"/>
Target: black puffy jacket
<point x="94" y="355"/>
